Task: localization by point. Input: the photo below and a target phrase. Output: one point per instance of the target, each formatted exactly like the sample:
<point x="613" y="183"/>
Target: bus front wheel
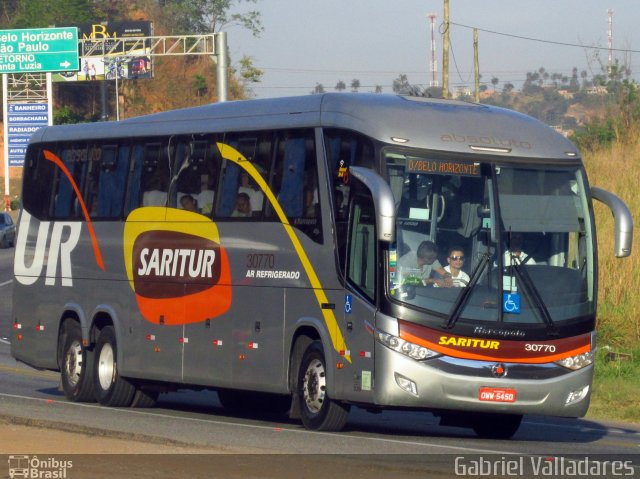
<point x="76" y="369"/>
<point x="317" y="410"/>
<point x="110" y="388"/>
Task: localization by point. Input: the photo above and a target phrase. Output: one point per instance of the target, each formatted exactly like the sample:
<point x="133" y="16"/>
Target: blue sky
<point x="323" y="41"/>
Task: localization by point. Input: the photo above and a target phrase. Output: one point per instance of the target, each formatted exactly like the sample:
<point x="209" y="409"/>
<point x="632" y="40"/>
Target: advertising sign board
<point x="97" y="62"/>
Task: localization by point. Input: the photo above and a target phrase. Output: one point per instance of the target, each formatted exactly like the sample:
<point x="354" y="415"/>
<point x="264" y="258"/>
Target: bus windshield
<point x="490" y="241"/>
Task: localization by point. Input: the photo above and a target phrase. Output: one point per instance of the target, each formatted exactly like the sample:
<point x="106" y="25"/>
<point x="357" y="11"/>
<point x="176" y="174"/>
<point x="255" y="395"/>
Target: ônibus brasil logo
<point x="176" y="265"/>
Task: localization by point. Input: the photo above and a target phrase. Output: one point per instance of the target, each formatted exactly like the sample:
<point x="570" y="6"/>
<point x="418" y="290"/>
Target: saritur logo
<point x="176" y="266"/>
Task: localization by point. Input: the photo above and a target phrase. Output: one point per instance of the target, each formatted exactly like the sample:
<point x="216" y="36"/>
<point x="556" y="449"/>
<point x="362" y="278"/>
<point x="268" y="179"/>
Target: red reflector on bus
<point x="252" y="345"/>
<point x="151" y="337"/>
<point x="217" y="342"/>
<point x="17" y="326"/>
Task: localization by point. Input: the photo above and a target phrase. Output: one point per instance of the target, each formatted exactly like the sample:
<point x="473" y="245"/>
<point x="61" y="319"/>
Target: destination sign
<point x="442" y="167"/>
<point x="39" y="50"/>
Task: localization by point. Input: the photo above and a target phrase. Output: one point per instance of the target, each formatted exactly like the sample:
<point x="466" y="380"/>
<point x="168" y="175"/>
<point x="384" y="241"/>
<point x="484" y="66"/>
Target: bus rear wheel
<point x="76" y="369"/>
<point x="317" y="410"/>
<point x="110" y="388"/>
<point x="496" y="426"/>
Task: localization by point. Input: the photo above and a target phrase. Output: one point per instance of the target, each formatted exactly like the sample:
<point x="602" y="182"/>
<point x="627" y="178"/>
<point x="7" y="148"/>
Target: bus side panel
<point x="34" y="337"/>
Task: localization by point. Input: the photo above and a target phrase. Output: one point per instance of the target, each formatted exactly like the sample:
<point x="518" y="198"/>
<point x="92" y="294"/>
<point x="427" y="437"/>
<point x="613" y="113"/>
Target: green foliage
<point x="248" y="71"/>
<point x="199" y="84"/>
<point x="209" y="16"/>
<point x="621" y="120"/>
<point x="45" y="13"/>
<point x="616" y="385"/>
<point x="65" y="115"/>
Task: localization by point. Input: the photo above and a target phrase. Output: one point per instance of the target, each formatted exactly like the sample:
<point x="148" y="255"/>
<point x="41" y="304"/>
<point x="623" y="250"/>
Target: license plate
<point x="497" y="395"/>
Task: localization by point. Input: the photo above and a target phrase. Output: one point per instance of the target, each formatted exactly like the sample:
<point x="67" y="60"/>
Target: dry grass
<point x="617" y="169"/>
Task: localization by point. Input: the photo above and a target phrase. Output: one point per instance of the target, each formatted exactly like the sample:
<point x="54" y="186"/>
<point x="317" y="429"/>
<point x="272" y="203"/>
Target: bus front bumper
<point x="466" y="385"/>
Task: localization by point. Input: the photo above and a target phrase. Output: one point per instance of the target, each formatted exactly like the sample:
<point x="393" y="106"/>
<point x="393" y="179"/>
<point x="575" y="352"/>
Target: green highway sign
<point x="39" y="50"/>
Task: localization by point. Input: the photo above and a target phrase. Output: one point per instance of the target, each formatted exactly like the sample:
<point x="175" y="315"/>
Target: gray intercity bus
<point x="273" y="250"/>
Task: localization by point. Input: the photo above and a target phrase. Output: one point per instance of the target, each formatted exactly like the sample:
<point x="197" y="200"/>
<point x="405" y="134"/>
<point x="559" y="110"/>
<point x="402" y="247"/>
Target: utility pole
<point x="476" y="66"/>
<point x="445" y="52"/>
<point x="610" y="41"/>
<point x="434" y="62"/>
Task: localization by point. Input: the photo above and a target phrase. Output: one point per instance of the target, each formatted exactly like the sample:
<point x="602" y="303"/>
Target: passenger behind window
<point x="515" y="255"/>
<point x="243" y="206"/>
<point x="455" y="260"/>
<point x="417" y="268"/>
<point x="206" y="196"/>
<point x="189" y="203"/>
<point x="155" y="193"/>
<point x="311" y="205"/>
<point x="247" y="187"/>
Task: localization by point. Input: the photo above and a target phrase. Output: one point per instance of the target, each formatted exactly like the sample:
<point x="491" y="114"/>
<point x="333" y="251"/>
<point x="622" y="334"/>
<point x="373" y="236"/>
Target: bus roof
<point x="444" y="125"/>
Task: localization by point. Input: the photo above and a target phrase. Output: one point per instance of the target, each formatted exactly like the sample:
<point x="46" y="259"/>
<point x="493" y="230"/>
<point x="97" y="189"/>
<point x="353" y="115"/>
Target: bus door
<point x="360" y="294"/>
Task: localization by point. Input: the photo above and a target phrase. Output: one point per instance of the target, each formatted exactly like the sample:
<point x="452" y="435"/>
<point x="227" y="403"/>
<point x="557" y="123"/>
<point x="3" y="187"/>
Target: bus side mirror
<point x="623" y="220"/>
<point x="383" y="200"/>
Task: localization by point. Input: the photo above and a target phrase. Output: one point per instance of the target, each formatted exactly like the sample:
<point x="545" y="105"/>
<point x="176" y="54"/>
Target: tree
<point x="507" y="87"/>
<point x="44" y="13"/>
<point x="494" y="82"/>
<point x="340" y="86"/>
<point x="355" y="84"/>
<point x="378" y="89"/>
<point x="318" y="89"/>
<point x="210" y="16"/>
<point x="401" y="84"/>
<point x="199" y="85"/>
<point x="248" y="71"/>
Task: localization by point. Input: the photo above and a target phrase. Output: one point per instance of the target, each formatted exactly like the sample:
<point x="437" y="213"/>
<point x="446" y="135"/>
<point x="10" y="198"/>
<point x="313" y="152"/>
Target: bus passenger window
<point x="295" y="182"/>
<point x="66" y="202"/>
<point x="155" y="175"/>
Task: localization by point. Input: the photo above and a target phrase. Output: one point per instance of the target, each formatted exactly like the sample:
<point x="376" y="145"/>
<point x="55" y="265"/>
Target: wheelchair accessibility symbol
<point x="347" y="303"/>
<point x="511" y="303"/>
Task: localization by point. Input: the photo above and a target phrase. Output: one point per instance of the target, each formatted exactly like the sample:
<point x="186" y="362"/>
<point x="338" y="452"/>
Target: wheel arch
<point x="104" y="315"/>
<point x="305" y="331"/>
<point x="71" y="312"/>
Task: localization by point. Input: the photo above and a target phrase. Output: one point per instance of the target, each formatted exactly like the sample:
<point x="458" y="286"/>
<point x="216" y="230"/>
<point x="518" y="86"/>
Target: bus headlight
<point x="412" y="350"/>
<point x="577" y="362"/>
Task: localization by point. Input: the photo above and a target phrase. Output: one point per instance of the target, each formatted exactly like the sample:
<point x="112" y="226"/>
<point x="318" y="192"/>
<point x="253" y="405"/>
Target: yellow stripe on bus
<point x="231" y="154"/>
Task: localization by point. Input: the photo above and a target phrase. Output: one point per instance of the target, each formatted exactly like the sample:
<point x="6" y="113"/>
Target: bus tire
<point x="317" y="410"/>
<point x="76" y="365"/>
<point x="144" y="398"/>
<point x="110" y="388"/>
<point x="496" y="426"/>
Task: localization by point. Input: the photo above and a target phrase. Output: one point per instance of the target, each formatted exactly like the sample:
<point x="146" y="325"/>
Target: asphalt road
<point x="196" y="418"/>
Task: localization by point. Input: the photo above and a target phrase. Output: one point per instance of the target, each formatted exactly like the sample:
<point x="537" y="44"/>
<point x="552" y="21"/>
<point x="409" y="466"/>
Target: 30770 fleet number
<point x="544" y="348"/>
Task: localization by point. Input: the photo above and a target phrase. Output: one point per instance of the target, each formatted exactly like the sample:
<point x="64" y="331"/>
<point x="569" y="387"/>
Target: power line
<point x="540" y="40"/>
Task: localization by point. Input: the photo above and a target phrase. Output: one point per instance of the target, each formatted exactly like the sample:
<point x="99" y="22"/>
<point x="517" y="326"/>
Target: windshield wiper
<point x="465" y="294"/>
<point x="534" y="296"/>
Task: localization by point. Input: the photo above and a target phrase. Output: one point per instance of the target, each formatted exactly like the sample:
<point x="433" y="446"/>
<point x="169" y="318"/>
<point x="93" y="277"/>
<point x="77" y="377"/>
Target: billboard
<point x="97" y="63"/>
